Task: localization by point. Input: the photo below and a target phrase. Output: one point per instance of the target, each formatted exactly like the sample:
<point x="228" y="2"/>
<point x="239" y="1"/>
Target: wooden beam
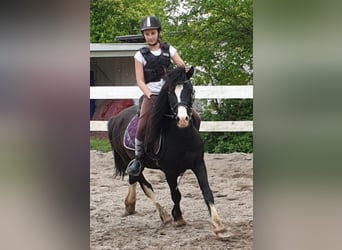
<point x="206" y="126"/>
<point x="202" y="92"/>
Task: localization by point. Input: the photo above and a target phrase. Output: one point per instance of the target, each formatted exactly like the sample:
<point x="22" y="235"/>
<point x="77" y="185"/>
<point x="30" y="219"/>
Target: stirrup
<point x="136" y="169"/>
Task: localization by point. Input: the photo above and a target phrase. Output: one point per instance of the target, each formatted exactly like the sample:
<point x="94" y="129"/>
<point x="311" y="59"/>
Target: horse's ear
<point x="190" y="72"/>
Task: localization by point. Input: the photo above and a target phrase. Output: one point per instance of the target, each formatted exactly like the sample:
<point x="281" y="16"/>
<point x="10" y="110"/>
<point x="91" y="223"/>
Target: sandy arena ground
<point x="230" y="178"/>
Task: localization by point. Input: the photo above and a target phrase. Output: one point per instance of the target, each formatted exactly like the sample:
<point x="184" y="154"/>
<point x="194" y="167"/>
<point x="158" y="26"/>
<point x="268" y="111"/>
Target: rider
<point x="151" y="63"/>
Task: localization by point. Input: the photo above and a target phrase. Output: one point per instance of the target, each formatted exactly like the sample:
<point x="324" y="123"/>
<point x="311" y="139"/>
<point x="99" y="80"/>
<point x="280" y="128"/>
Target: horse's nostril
<point x="187" y="118"/>
<point x="178" y="119"/>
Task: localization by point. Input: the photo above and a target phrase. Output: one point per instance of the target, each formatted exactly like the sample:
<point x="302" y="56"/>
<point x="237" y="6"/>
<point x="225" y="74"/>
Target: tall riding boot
<point x="134" y="167"/>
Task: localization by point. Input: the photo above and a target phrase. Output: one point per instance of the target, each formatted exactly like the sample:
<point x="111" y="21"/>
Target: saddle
<point x="129" y="136"/>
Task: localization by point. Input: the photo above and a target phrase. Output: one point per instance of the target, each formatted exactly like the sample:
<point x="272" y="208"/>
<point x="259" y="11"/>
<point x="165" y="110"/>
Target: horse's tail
<point x="110" y="129"/>
<point x="119" y="165"/>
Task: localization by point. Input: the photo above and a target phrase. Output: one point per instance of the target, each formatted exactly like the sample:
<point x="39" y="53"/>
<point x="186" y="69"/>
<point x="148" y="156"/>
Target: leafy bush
<point x="102" y="145"/>
<point x="228" y="142"/>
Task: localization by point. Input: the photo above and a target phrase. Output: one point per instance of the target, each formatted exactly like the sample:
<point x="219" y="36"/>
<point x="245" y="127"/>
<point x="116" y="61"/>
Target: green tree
<point x="216" y="36"/>
<point x="111" y="18"/>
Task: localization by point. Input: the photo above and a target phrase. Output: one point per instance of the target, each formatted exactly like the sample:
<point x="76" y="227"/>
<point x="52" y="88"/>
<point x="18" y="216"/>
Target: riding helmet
<point x="150" y="22"/>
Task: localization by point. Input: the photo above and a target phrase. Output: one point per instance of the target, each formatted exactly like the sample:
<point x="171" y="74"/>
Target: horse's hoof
<point x="127" y="213"/>
<point x="225" y="236"/>
<point x="180" y="223"/>
<point x="166" y="219"/>
<point x="130" y="209"/>
<point x="163" y="214"/>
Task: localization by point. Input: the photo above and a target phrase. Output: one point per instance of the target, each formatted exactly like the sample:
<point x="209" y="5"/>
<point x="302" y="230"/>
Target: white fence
<point x="202" y="92"/>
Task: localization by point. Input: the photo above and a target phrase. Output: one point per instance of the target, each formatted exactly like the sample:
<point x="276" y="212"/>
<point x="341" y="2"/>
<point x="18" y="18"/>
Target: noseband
<point x="175" y="107"/>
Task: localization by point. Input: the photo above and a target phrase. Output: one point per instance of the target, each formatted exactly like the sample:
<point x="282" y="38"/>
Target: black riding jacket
<point x="156" y="66"/>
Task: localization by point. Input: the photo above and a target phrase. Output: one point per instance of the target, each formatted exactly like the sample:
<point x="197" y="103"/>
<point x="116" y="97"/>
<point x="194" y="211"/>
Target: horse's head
<point x="181" y="95"/>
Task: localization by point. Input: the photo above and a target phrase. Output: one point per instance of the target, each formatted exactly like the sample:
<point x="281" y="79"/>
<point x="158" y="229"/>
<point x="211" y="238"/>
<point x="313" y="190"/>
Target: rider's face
<point x="151" y="36"/>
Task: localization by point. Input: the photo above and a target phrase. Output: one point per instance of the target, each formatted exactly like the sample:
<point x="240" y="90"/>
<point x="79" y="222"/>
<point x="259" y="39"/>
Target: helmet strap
<point x="154" y="43"/>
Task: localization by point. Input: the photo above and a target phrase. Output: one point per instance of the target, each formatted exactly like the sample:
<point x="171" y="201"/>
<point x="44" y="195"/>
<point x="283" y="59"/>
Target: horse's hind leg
<point x="148" y="190"/>
<point x="202" y="177"/>
<point x="131" y="199"/>
<point x="120" y="168"/>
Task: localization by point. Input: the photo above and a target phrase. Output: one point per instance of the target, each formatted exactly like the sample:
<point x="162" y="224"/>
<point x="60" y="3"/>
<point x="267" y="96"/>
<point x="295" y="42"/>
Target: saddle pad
<point x="129" y="136"/>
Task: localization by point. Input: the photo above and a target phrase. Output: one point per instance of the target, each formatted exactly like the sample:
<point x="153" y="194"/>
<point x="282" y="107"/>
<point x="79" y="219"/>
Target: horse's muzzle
<point x="183" y="122"/>
<point x="183" y="119"/>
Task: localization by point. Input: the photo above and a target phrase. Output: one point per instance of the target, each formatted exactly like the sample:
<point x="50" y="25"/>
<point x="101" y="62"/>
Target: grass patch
<point x="102" y="145"/>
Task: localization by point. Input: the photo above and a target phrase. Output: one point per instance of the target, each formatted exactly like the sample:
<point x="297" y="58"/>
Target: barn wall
<point x="113" y="71"/>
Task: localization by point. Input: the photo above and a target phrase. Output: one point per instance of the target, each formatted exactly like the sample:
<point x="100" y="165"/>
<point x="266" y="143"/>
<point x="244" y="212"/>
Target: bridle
<point x="174" y="107"/>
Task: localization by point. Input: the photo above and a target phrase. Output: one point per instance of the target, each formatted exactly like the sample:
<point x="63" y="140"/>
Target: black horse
<point x="181" y="147"/>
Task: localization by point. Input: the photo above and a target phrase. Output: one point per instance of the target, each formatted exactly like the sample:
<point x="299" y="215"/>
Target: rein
<point x="169" y="116"/>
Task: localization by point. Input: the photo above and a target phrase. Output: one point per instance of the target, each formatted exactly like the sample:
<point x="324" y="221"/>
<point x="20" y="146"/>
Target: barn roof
<point x="131" y="38"/>
<point x="114" y="49"/>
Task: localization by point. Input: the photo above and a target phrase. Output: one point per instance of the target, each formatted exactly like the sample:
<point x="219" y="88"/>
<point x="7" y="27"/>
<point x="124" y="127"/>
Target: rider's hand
<point x="148" y="95"/>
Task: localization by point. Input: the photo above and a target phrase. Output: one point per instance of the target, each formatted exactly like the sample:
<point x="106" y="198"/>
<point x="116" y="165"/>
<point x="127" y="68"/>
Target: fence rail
<point x="202" y="92"/>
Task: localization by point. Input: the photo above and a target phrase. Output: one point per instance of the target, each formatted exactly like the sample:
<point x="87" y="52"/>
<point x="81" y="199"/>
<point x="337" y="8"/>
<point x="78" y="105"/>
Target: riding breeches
<point x="197" y="119"/>
<point x="145" y="112"/>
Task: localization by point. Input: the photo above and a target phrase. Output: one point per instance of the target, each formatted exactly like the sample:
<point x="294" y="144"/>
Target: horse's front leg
<point x="176" y="197"/>
<point x="148" y="190"/>
<point x="202" y="177"/>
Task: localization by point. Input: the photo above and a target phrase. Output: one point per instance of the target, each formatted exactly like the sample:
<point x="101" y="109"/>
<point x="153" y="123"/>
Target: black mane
<point x="159" y="118"/>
